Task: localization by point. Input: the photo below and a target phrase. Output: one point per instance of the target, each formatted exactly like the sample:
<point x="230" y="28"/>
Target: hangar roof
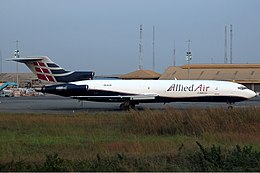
<point x="141" y="74"/>
<point x="241" y="73"/>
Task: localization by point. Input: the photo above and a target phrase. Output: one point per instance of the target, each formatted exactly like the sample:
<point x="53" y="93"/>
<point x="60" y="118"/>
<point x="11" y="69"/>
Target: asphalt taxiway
<point x="56" y="104"/>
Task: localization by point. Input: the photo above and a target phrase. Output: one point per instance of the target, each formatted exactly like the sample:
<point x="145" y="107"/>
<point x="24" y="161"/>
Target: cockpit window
<point x="242" y="87"/>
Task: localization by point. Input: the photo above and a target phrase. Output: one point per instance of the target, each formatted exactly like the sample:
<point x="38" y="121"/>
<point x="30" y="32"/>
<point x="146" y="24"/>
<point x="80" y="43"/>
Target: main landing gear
<point x="127" y="106"/>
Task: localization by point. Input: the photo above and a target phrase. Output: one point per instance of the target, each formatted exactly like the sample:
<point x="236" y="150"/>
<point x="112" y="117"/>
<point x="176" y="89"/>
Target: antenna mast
<point x="141" y="55"/>
<point x="225" y="53"/>
<point x="231" y="37"/>
<point x="153" y="49"/>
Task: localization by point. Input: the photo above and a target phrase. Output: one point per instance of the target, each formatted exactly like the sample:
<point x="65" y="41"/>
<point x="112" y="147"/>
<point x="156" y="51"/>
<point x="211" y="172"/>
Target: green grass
<point x="145" y="135"/>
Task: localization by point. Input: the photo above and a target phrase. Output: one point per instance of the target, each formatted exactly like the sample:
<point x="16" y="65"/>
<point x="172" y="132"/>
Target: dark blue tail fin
<point x="47" y="70"/>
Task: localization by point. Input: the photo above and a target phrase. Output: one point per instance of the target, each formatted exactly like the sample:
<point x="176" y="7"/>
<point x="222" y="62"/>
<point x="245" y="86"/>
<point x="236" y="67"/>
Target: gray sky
<point x="103" y="35"/>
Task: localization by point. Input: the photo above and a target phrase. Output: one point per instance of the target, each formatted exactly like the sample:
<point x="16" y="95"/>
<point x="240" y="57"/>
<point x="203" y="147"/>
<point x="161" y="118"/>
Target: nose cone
<point x="250" y="94"/>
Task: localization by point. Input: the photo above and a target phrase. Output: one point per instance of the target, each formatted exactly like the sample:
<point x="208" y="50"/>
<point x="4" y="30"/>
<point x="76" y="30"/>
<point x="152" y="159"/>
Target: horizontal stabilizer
<point x="24" y="60"/>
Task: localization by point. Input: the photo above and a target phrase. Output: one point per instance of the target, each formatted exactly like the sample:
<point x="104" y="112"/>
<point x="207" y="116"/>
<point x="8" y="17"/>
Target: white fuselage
<point x="170" y="88"/>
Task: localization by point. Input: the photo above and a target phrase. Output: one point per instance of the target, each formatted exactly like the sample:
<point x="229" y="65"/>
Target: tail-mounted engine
<point x="65" y="89"/>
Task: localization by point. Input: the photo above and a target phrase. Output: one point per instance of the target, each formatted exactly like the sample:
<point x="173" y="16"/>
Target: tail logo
<point x="42" y="72"/>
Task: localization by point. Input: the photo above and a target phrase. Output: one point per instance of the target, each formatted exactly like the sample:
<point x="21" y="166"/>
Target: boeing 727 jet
<point x="132" y="92"/>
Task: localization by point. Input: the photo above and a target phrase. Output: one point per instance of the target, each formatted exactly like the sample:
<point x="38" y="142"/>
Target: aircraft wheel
<point x="127" y="106"/>
<point x="230" y="107"/>
<point x="132" y="105"/>
<point x="124" y="106"/>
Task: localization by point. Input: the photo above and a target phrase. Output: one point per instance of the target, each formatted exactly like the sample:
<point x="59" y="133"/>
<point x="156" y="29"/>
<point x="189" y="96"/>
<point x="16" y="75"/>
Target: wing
<point x="119" y="98"/>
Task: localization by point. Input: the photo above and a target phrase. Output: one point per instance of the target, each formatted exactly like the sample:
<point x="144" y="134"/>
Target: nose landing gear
<point x="230" y="104"/>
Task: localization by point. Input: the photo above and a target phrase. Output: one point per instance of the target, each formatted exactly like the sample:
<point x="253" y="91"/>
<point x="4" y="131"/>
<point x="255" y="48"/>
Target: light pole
<point x="16" y="55"/>
<point x="174" y="54"/>
<point x="188" y="58"/>
<point x="153" y="49"/>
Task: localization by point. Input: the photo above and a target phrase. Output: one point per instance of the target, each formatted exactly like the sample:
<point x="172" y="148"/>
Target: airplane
<point x="132" y="92"/>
